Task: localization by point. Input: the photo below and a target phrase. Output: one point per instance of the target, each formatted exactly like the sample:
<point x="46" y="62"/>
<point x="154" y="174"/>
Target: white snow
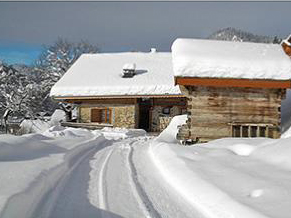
<point x="121" y="133"/>
<point x="242" y="149"/>
<point x="256" y="193"/>
<point x="33" y="126"/>
<point x="40" y="126"/>
<point x="129" y="66"/>
<point x="67" y="172"/>
<point x="101" y="75"/>
<point x="60" y="131"/>
<point x="221" y="183"/>
<point x="57" y="117"/>
<point x="224" y="59"/>
<point x="169" y="134"/>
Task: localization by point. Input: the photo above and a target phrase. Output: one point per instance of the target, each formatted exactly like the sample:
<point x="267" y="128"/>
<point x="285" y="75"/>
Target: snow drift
<point x="230" y="177"/>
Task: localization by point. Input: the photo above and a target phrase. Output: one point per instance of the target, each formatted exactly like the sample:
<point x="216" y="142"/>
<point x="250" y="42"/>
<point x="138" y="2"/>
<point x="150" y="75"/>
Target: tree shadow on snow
<point x="23" y="152"/>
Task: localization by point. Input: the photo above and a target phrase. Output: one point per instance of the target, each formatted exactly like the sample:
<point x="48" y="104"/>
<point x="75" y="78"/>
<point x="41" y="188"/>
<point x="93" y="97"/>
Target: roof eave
<point x="60" y="98"/>
<point x="233" y="82"/>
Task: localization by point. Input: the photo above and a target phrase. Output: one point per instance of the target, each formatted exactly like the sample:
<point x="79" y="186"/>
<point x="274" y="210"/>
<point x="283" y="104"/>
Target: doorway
<point x="144" y="114"/>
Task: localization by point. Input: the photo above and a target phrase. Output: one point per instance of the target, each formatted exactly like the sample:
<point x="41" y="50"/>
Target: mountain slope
<point x="232" y="34"/>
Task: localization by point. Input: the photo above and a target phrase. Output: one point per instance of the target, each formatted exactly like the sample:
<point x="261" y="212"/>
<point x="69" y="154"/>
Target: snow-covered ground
<point x="67" y="172"/>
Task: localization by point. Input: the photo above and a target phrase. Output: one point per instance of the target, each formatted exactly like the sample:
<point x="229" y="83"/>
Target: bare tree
<point x="27" y="93"/>
<point x="15" y="93"/>
<point x="53" y="63"/>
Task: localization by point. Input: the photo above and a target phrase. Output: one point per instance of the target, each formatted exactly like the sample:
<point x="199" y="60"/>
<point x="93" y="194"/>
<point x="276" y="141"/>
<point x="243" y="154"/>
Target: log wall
<point x="214" y="112"/>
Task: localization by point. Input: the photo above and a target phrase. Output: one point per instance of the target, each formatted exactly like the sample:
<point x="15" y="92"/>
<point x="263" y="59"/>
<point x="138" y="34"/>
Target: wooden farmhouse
<point x="233" y="89"/>
<point x="131" y="90"/>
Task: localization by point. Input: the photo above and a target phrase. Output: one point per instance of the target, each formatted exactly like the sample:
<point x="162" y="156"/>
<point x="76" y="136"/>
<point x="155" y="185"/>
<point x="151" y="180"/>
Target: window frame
<point x="251" y="130"/>
<point x="105" y="115"/>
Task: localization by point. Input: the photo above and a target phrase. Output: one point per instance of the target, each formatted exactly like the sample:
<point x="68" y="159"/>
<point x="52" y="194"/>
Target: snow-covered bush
<point x="39" y="126"/>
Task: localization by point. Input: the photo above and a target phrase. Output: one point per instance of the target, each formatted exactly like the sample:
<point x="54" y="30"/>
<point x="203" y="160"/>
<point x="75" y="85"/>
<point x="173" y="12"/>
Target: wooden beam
<point x="224" y="82"/>
<point x="114" y="97"/>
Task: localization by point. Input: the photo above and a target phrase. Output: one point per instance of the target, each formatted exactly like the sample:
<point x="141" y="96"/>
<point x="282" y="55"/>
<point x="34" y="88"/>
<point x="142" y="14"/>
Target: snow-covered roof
<point x="224" y="59"/>
<point x="101" y="75"/>
<point x="287" y="40"/>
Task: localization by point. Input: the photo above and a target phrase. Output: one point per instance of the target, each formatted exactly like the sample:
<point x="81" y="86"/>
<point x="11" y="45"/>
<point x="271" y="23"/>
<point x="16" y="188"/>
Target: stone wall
<point x="122" y="116"/>
<point x="160" y="120"/>
<point x="84" y="115"/>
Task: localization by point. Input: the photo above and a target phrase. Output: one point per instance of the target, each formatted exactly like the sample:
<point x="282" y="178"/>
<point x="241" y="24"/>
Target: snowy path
<point x="72" y="201"/>
<point x="110" y="174"/>
<point x="115" y="180"/>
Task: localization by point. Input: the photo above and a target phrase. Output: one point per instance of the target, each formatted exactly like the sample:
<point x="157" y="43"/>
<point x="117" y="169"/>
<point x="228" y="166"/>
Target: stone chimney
<point x="286" y="44"/>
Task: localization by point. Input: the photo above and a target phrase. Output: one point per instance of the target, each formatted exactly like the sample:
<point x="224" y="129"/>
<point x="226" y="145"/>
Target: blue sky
<point x="21" y="53"/>
<point x="126" y="26"/>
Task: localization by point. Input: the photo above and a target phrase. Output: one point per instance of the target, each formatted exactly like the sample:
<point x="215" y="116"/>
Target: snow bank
<point x="242" y="149"/>
<point x="120" y="133"/>
<point x="15" y="148"/>
<point x="169" y="134"/>
<point x="277" y="152"/>
<point x="27" y="183"/>
<point x="224" y="59"/>
<point x="60" y="131"/>
<point x="202" y="194"/>
<point x="57" y="117"/>
<point x="33" y="126"/>
<point x="40" y="126"/>
<point x="230" y="177"/>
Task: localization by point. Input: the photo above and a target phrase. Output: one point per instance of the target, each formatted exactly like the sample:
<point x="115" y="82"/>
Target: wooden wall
<point x="213" y="111"/>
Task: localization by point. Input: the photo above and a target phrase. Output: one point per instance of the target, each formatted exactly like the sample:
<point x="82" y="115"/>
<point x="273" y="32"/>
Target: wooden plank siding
<point x="212" y="111"/>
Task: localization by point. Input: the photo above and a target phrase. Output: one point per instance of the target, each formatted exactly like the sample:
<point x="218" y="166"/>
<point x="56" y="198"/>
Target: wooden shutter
<point x="108" y="115"/>
<point x="96" y="115"/>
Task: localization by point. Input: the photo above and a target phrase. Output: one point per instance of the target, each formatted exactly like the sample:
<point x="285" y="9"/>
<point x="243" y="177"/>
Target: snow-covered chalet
<point x="131" y="90"/>
<point x="233" y="89"/>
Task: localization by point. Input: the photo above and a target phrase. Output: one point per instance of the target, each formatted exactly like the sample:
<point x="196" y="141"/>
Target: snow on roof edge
<point x="205" y="58"/>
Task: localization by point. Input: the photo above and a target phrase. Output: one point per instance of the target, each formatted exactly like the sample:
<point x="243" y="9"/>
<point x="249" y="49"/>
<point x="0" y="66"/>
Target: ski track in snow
<point x="140" y="195"/>
<point x="104" y="181"/>
<point x="139" y="192"/>
<point x="101" y="182"/>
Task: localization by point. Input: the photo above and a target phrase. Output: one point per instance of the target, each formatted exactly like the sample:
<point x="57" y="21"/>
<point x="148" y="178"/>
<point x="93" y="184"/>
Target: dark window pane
<point x="262" y="131"/>
<point x="245" y="131"/>
<point x="236" y="131"/>
<point x="254" y="131"/>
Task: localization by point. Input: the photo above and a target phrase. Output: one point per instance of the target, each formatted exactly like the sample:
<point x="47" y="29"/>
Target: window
<point x="166" y="110"/>
<point x="101" y="115"/>
<point x="252" y="130"/>
<point x="236" y="131"/>
<point x="262" y="131"/>
<point x="245" y="131"/>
